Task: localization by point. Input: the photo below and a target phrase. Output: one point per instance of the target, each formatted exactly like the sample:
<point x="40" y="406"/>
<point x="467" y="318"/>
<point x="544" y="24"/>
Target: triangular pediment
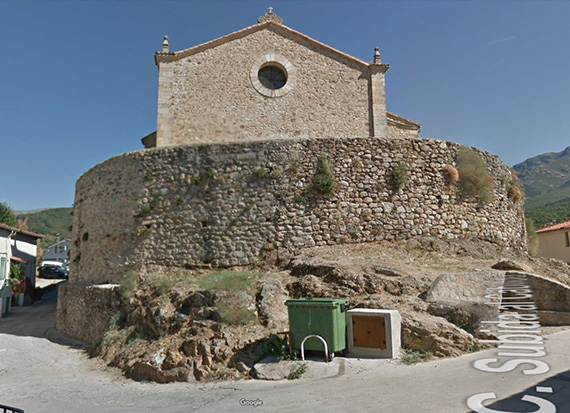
<point x="277" y="28"/>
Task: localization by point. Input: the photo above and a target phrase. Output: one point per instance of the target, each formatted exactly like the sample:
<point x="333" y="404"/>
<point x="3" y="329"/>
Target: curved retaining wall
<point x="228" y="204"/>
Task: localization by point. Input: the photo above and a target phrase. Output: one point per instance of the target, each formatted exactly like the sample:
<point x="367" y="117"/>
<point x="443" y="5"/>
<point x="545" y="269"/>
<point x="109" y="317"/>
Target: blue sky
<point x="78" y="83"/>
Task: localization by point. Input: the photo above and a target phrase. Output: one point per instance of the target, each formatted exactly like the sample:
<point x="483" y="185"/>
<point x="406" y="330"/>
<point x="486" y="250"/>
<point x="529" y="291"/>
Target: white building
<point x="58" y="251"/>
<point x="16" y="247"/>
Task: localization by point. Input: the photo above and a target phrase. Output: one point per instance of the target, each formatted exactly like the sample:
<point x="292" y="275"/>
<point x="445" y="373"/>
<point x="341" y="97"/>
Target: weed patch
<point x="262" y="173"/>
<point x="410" y="356"/>
<point x="235" y="315"/>
<point x="229" y="281"/>
<point x="298" y="372"/>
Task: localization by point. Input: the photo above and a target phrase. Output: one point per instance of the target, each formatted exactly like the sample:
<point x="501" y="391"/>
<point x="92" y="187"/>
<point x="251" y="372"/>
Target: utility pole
<point x="57" y="247"/>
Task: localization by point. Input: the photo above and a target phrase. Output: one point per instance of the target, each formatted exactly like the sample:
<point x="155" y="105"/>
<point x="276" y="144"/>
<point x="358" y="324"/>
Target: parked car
<point x="53" y="271"/>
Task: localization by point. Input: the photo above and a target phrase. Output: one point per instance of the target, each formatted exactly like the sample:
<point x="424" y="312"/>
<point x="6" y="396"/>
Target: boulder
<point x="510" y="265"/>
<point x="467" y="286"/>
<point x="425" y="332"/>
<point x="270" y="303"/>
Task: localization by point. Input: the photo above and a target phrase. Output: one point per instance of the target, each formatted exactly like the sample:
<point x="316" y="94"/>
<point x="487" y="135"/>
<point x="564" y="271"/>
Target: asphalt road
<point x="43" y="371"/>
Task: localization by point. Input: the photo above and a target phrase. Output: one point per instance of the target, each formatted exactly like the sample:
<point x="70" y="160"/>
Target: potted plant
<point x="17" y="281"/>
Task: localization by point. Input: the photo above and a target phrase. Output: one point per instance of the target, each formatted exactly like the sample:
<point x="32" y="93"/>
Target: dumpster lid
<point x="316" y="302"/>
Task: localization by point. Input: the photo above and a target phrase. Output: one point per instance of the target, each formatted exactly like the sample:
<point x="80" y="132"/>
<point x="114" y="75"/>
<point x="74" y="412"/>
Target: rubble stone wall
<point x="85" y="311"/>
<point x="230" y="204"/>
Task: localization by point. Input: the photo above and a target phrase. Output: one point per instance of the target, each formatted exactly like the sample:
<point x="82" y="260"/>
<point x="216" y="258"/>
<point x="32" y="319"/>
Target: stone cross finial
<point x="270" y="16"/>
<point x="165" y="46"/>
<point x="377" y="58"/>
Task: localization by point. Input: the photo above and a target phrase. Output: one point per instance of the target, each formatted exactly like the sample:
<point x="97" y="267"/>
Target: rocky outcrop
<point x="510" y="265"/>
<point x="425" y="332"/>
<point x="270" y="303"/>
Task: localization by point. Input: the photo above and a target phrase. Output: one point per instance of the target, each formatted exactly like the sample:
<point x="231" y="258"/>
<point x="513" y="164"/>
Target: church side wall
<point x="213" y="100"/>
<point x="395" y="132"/>
<point x="229" y="204"/>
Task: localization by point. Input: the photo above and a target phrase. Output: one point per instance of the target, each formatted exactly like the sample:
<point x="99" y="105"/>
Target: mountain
<point x="49" y="222"/>
<point x="546" y="180"/>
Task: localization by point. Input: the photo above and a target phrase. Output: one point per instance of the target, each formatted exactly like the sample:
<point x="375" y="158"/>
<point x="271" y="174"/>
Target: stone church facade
<point x="269" y="81"/>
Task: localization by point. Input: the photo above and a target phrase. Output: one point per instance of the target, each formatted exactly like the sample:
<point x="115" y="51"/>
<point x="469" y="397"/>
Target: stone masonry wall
<point x="212" y="98"/>
<point x="396" y="132"/>
<point x="229" y="204"/>
<point x="85" y="311"/>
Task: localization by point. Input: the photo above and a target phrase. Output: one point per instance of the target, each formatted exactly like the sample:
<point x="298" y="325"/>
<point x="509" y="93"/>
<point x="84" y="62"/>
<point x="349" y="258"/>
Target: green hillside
<point x="49" y="222"/>
<point x="546" y="180"/>
<point x="550" y="213"/>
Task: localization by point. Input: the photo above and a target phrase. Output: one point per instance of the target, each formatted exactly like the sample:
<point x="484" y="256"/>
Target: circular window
<point x="272" y="75"/>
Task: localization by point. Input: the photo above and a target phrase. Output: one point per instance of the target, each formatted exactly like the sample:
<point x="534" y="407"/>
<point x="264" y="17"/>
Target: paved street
<point x="43" y="371"/>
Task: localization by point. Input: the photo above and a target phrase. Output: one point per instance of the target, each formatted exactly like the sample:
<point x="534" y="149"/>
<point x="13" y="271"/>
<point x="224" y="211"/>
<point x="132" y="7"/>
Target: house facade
<point x="554" y="241"/>
<point x="17" y="247"/>
<point x="58" y="251"/>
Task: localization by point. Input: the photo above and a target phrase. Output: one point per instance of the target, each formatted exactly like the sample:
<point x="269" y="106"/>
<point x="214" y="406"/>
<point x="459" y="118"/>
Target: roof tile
<point x="560" y="225"/>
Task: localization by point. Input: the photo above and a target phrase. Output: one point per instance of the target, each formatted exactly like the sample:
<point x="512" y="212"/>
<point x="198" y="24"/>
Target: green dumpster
<point x="322" y="316"/>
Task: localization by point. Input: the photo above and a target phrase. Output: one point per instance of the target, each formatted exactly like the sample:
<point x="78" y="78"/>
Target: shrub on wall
<point x="398" y="176"/>
<point x="323" y="180"/>
<point x="474" y="179"/>
<point x="531" y="238"/>
<point x="516" y="189"/>
<point x="450" y="173"/>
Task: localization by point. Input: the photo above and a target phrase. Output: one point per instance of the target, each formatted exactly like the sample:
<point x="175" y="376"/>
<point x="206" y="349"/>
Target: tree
<point x="7" y="216"/>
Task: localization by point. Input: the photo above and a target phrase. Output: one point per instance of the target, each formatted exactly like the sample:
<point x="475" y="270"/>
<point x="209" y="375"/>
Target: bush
<point x="474" y="179"/>
<point x="323" y="180"/>
<point x="516" y="189"/>
<point x="451" y="175"/>
<point x="398" y="176"/>
<point x="128" y="285"/>
<point x="276" y="346"/>
<point x="531" y="238"/>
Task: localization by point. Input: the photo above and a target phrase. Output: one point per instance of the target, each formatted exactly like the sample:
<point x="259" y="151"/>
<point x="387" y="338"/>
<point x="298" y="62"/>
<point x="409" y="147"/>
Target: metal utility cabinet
<point x="321" y="316"/>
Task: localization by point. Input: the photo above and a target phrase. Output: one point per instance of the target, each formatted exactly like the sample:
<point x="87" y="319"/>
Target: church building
<point x="268" y="81"/>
